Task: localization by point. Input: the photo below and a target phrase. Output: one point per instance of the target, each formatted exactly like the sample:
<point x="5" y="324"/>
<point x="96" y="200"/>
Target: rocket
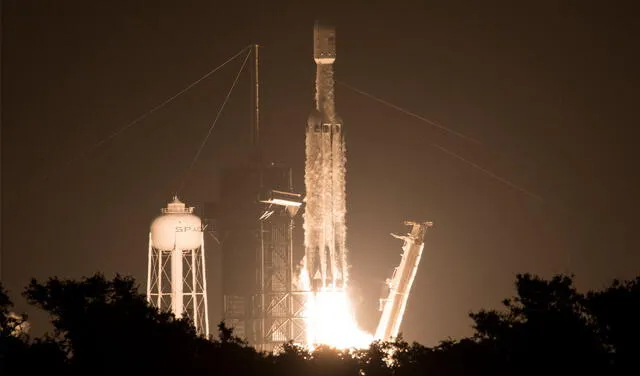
<point x="325" y="167"/>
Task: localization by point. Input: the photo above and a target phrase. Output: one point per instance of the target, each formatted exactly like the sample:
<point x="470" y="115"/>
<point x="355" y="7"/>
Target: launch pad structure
<point x="255" y="224"/>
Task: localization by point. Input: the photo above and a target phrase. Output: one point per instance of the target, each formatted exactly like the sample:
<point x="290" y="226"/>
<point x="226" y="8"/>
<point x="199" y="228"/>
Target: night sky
<point x="548" y="88"/>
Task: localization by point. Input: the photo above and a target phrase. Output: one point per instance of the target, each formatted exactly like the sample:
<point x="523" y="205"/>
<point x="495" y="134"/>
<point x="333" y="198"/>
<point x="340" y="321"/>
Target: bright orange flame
<point x="330" y="320"/>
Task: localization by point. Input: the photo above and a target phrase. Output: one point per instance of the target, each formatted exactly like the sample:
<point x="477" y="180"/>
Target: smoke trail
<point x="312" y="210"/>
<point x="328" y="104"/>
<point x="340" y="205"/>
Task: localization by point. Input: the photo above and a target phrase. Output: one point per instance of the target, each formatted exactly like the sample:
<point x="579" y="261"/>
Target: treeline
<point x="105" y="327"/>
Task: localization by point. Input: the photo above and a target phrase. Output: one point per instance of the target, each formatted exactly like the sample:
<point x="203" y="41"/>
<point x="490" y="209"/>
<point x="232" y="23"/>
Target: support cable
<point x="489" y="173"/>
<point x="407" y="112"/>
<point x="204" y="141"/>
<point x="449" y="152"/>
<point x="149" y="112"/>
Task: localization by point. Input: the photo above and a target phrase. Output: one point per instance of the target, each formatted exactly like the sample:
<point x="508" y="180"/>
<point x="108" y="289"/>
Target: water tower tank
<point x="176" y="228"/>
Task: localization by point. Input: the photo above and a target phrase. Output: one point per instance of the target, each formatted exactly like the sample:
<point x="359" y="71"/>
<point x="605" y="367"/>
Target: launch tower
<point x="256" y="220"/>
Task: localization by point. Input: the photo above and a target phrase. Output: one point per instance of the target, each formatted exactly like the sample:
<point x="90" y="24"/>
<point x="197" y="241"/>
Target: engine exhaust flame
<point x="330" y="319"/>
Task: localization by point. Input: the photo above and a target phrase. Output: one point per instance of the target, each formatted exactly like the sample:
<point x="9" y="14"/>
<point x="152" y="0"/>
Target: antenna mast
<point x="1" y="36"/>
<point x="256" y="99"/>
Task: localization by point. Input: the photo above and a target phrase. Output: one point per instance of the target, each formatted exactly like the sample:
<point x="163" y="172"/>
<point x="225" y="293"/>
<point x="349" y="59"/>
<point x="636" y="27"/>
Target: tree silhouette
<point x="106" y="327"/>
<point x="375" y="361"/>
<point x="19" y="356"/>
<point x="233" y="355"/>
<point x="330" y="361"/>
<point x="615" y="313"/>
<point x="545" y="329"/>
<point x="291" y="360"/>
<point x="11" y="324"/>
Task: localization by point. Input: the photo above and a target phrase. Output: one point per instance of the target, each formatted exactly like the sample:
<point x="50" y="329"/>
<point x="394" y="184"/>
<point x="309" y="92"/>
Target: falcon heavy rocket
<point x="324" y="216"/>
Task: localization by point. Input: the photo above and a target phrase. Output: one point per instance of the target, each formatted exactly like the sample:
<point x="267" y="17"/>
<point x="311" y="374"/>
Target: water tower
<point x="177" y="280"/>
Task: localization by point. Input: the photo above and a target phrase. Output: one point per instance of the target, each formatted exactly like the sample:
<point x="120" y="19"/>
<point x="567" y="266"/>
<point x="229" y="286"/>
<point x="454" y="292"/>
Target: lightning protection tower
<point x="176" y="279"/>
<point x="256" y="221"/>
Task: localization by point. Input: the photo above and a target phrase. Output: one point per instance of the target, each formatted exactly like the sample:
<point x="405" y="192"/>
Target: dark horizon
<point x="547" y="89"/>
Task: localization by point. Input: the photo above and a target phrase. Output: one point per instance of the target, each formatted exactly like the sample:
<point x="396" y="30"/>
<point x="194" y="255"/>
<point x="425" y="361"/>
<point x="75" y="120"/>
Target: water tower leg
<point x="177" y="297"/>
<point x="203" y="276"/>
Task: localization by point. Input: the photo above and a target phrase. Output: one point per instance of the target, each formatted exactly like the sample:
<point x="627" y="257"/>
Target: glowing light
<point x="330" y="320"/>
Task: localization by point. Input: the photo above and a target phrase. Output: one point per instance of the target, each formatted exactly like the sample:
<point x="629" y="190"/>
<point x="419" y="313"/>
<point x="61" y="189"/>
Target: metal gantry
<point x="257" y="222"/>
<point x="280" y="308"/>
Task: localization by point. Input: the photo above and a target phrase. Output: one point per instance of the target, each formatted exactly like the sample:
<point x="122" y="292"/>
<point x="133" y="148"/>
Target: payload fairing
<point x="324" y="216"/>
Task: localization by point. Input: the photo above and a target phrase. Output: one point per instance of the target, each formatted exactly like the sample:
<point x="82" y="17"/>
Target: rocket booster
<point x="324" y="216"/>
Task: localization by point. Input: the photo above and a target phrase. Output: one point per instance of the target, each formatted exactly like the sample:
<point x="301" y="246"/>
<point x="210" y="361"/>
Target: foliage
<point x="106" y="327"/>
<point x="615" y="314"/>
<point x="19" y="355"/>
<point x="545" y="328"/>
